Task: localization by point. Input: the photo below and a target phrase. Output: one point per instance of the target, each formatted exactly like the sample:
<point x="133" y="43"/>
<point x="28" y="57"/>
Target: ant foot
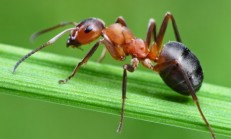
<point x="63" y="81"/>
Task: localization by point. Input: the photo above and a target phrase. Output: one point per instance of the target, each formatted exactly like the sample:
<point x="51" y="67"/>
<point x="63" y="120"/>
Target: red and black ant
<point x="177" y="65"/>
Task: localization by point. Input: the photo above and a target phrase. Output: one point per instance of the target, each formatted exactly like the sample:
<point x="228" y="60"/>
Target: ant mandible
<point x="177" y="65"/>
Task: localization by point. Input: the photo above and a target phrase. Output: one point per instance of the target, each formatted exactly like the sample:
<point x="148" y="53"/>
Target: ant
<point x="177" y="65"/>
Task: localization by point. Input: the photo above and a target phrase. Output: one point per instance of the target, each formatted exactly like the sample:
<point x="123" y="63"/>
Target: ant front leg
<point x="121" y="21"/>
<point x="84" y="60"/>
<point x="115" y="51"/>
<point x="130" y="68"/>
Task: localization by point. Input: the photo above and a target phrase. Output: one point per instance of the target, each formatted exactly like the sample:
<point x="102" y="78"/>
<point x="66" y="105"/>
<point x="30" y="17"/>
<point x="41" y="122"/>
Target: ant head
<point x="86" y="32"/>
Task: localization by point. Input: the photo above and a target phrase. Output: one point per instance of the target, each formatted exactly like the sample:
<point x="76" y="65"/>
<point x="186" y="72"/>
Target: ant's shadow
<point x="174" y="98"/>
<point x="168" y="95"/>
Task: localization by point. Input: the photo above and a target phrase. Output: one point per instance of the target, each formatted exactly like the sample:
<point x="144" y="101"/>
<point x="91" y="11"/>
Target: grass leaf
<point x="97" y="87"/>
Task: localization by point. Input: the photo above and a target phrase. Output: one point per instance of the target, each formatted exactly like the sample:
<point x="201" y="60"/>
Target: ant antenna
<point x="51" y="41"/>
<point x="35" y="35"/>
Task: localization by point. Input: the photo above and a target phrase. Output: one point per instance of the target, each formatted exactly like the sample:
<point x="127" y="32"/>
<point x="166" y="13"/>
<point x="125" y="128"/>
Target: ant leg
<point x="115" y="51"/>
<point x="121" y="20"/>
<point x="163" y="27"/>
<point x="162" y="66"/>
<point x="84" y="60"/>
<point x="193" y="93"/>
<point x="151" y="30"/>
<point x="35" y="35"/>
<point x="156" y="47"/>
<point x="130" y="68"/>
<point x="102" y="56"/>
<point x="51" y="41"/>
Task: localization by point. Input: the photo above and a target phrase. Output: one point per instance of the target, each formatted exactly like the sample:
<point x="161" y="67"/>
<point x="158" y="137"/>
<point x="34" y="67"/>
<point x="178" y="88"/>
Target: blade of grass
<point x="97" y="87"/>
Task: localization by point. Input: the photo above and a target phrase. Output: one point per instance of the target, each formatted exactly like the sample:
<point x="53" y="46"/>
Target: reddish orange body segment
<point x="84" y="38"/>
<point x="124" y="42"/>
<point x="136" y="48"/>
<point x="115" y="33"/>
<point x="87" y="31"/>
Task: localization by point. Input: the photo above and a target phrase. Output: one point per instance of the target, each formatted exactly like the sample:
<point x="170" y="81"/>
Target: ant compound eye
<point x="88" y="29"/>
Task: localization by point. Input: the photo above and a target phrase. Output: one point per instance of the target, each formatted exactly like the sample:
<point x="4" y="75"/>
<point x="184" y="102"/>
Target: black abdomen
<point x="172" y="75"/>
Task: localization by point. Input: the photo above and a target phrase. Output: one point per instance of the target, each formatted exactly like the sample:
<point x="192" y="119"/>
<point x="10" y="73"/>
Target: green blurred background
<point x="204" y="27"/>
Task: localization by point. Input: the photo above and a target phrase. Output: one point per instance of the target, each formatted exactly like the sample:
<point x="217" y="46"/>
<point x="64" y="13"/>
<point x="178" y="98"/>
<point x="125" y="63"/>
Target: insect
<point x="177" y="65"/>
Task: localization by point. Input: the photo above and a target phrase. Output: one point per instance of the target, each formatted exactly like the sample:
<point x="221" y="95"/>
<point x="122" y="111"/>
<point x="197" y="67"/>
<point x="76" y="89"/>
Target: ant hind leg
<point x="195" y="99"/>
<point x="162" y="66"/>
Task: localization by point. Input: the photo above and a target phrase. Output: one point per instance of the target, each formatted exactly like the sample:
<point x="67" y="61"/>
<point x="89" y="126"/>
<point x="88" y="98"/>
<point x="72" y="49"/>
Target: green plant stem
<point x="98" y="87"/>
